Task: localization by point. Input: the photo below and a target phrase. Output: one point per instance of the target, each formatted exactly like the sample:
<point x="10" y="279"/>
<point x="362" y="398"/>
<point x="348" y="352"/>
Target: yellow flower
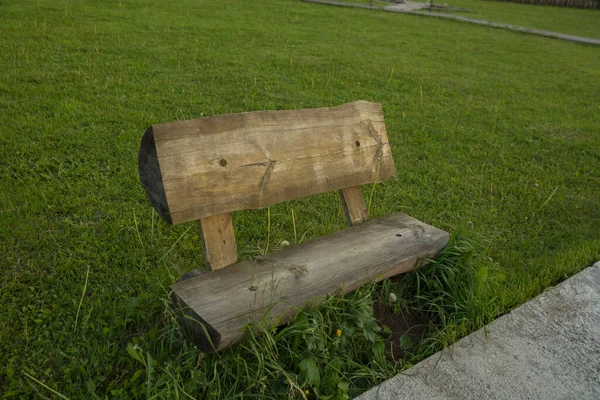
<point x="306" y="391"/>
<point x="338" y="332"/>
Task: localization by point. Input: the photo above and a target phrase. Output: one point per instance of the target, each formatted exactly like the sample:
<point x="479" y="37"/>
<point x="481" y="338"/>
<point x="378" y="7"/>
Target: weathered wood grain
<point x="150" y="176"/>
<point x="218" y="241"/>
<point x="227" y="299"/>
<point x="355" y="207"/>
<point x="216" y="165"/>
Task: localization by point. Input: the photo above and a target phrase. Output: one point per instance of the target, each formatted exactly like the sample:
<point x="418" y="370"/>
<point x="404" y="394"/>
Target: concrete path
<point x="548" y="348"/>
<point x="412" y="8"/>
<point x="408" y="6"/>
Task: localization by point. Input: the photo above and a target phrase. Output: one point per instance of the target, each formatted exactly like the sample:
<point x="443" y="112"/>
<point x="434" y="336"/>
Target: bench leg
<point x="218" y="241"/>
<point x="354" y="205"/>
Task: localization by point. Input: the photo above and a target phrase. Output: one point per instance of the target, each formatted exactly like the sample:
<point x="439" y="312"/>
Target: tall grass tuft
<point x="452" y="292"/>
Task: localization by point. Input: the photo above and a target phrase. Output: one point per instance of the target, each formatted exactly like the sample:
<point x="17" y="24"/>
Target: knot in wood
<point x="298" y="271"/>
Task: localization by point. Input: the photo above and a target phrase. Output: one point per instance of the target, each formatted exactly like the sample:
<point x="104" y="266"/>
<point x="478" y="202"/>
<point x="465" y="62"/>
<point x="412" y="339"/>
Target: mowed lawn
<point x="572" y="21"/>
<point x="493" y="132"/>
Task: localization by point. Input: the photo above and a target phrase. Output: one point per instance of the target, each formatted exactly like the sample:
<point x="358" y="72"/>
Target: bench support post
<point x="218" y="241"/>
<point x="354" y="205"/>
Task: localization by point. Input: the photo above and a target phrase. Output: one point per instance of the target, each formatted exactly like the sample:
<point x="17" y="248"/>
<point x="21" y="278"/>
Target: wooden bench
<point x="204" y="169"/>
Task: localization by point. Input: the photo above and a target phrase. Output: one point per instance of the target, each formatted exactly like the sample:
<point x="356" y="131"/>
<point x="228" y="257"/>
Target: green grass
<point x="492" y="131"/>
<point x="573" y="21"/>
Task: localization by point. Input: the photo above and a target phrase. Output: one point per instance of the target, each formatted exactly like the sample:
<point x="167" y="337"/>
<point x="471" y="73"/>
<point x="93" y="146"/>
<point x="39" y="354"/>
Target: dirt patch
<point x="406" y="323"/>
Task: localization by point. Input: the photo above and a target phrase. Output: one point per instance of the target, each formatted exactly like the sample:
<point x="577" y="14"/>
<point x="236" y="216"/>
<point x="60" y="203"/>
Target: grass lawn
<point x="573" y="21"/>
<point x="494" y="133"/>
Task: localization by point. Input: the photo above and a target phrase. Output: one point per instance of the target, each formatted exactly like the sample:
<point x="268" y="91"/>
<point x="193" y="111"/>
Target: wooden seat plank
<point x="281" y="283"/>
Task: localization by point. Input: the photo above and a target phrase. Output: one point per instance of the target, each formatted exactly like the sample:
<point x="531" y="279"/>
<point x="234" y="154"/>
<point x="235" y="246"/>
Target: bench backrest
<point x="203" y="169"/>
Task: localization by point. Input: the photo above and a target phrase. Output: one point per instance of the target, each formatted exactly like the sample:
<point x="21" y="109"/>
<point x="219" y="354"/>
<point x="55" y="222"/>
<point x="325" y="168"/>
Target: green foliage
<point x="405" y="342"/>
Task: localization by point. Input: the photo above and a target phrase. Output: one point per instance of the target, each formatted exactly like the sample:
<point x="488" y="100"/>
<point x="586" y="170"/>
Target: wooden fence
<point x="559" y="3"/>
